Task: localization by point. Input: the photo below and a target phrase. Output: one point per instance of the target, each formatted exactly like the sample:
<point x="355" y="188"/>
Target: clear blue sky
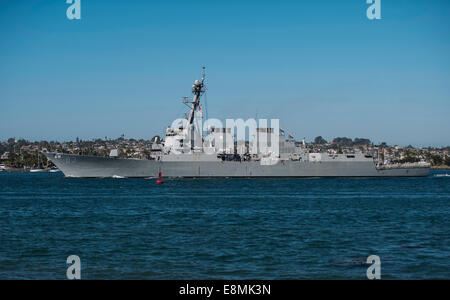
<point x="320" y="66"/>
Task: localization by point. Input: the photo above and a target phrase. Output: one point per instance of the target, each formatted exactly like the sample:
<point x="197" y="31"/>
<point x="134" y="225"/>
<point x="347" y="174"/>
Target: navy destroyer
<point x="187" y="151"/>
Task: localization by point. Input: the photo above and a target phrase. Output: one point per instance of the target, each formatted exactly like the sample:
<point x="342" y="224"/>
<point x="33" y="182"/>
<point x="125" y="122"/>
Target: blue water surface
<point x="224" y="228"/>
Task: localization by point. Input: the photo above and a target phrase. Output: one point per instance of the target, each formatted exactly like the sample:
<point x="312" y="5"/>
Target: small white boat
<point x="54" y="170"/>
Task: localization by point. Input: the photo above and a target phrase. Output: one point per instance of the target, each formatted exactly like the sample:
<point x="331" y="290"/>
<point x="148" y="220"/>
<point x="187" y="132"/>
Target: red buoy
<point x="159" y="180"/>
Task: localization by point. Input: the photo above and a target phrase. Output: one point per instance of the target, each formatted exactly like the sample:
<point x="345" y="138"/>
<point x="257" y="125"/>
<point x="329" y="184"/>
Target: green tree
<point x="343" y="141"/>
<point x="320" y="140"/>
<point x="447" y="160"/>
<point x="411" y="157"/>
<point x="362" y="141"/>
<point x="436" y="160"/>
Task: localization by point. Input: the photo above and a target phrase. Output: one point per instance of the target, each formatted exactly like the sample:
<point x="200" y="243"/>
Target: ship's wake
<point x="441" y="175"/>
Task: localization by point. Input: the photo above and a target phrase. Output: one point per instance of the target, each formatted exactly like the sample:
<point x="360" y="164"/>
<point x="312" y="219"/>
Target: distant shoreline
<point x="20" y="170"/>
<point x="16" y="170"/>
<point x="440" y="168"/>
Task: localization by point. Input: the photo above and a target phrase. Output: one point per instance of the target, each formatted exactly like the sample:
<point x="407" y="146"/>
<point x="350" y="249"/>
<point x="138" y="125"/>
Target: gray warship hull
<point x="92" y="166"/>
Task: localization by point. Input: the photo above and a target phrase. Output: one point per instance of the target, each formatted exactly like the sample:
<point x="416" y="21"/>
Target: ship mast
<point x="197" y="89"/>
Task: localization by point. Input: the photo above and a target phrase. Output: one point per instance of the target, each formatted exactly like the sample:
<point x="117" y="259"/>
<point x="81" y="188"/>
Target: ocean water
<point x="224" y="228"/>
